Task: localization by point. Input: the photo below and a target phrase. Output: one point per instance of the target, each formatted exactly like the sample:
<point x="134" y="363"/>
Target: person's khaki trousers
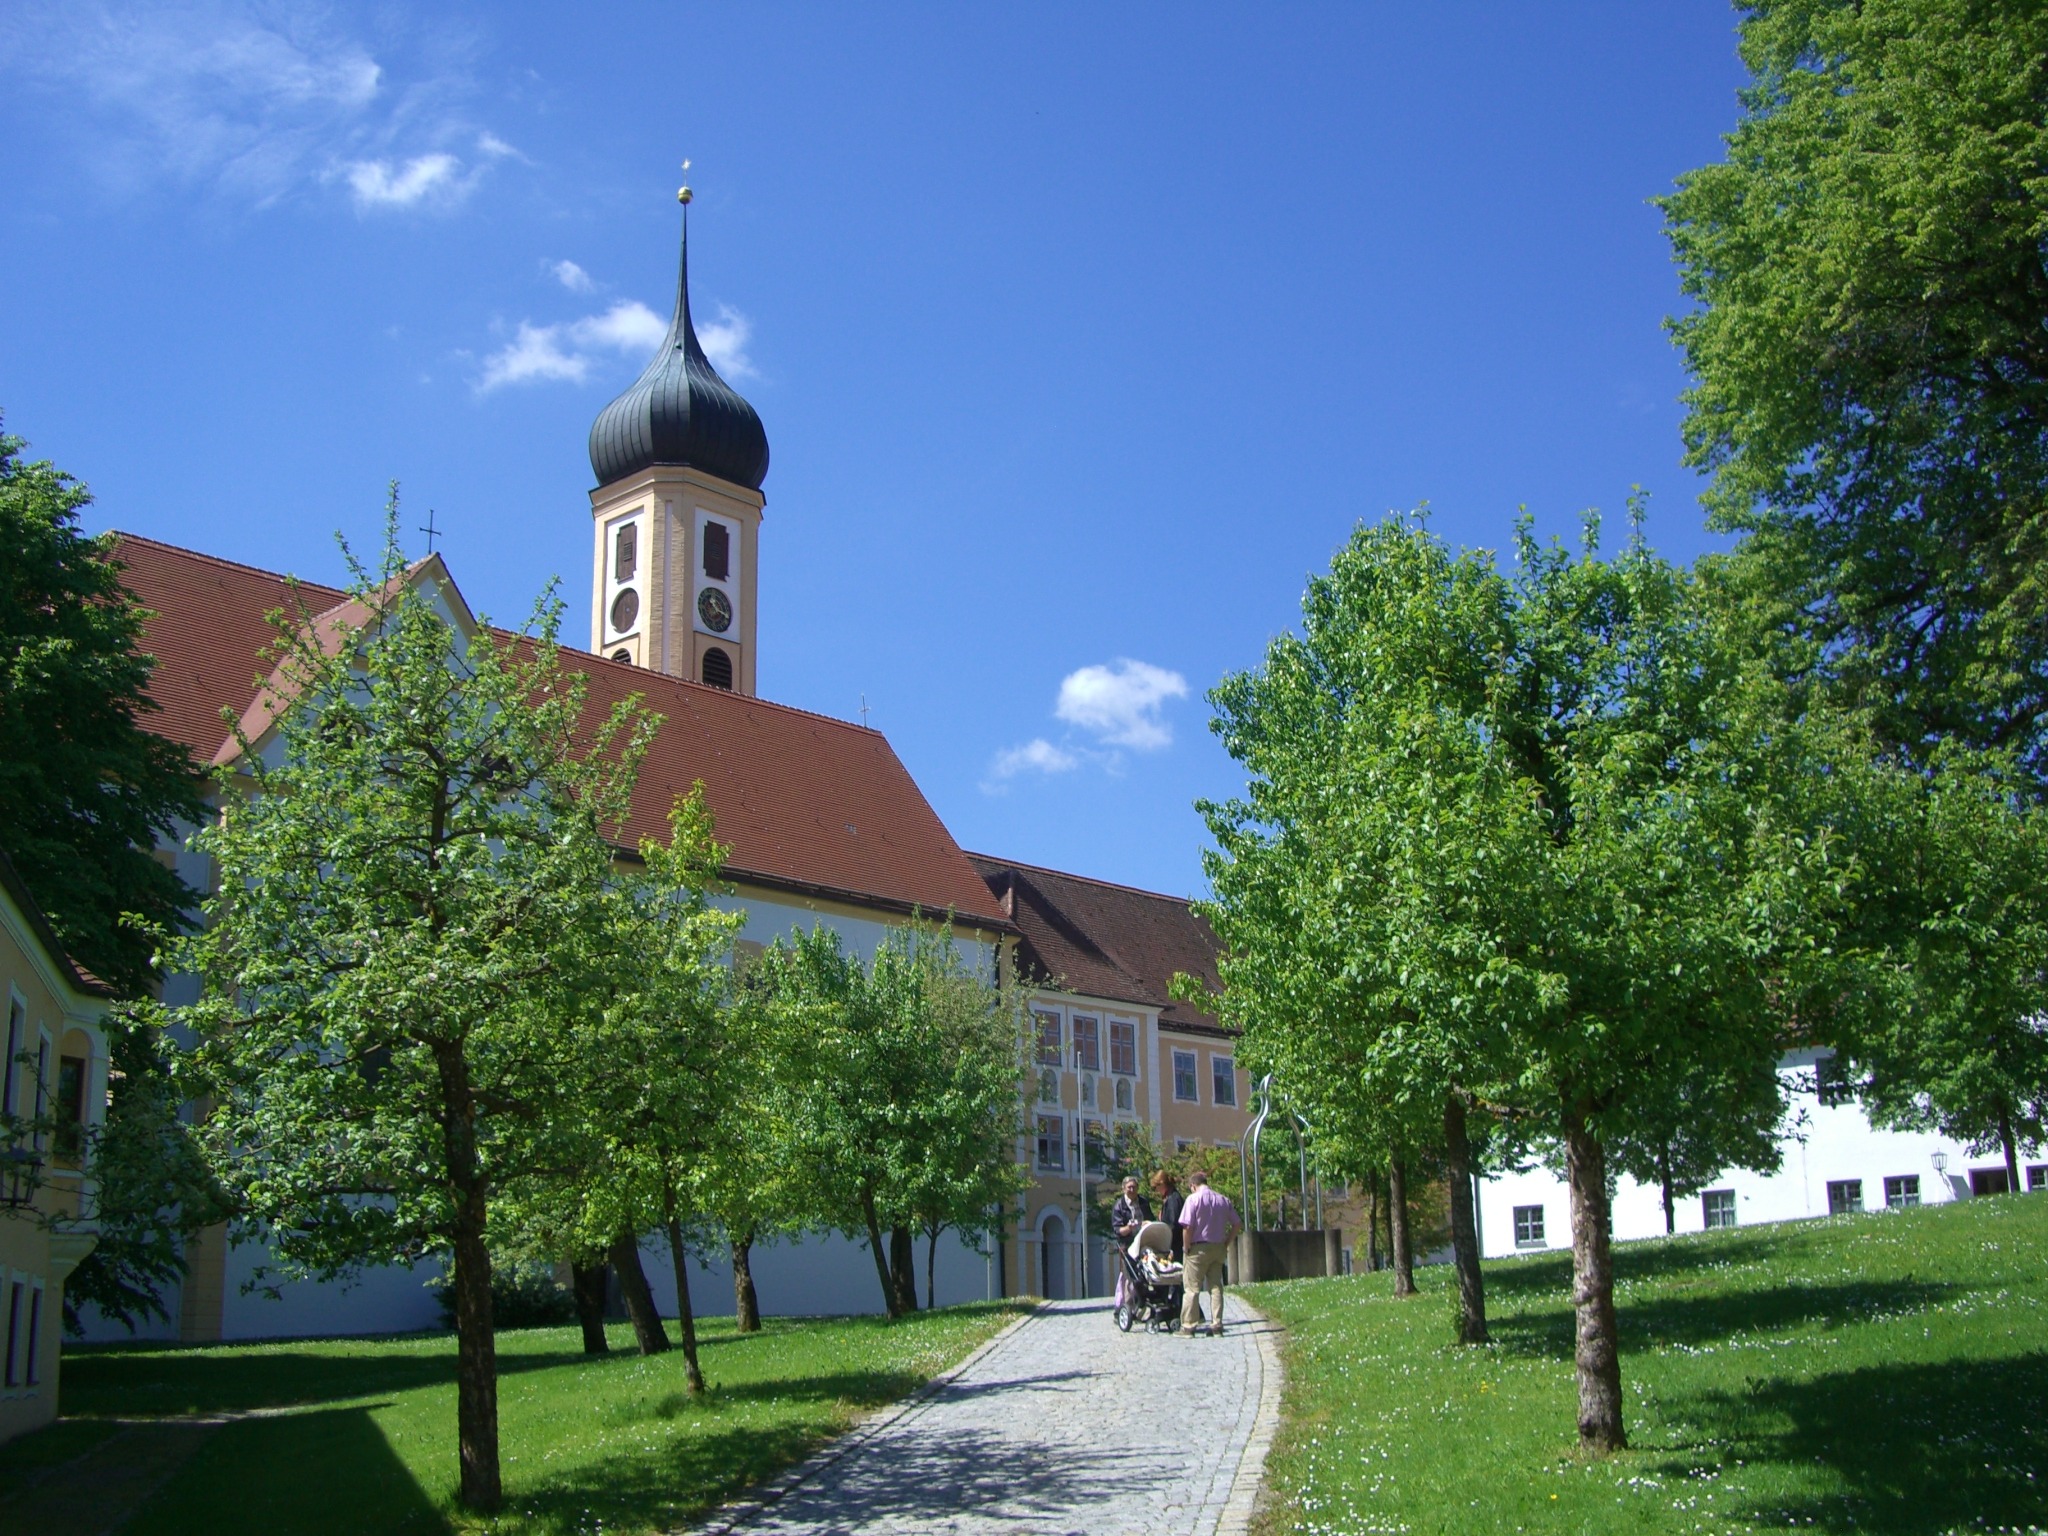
<point x="1202" y="1270"/>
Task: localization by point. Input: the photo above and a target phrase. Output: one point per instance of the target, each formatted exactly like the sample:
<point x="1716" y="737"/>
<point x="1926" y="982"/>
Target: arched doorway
<point x="1052" y="1250"/>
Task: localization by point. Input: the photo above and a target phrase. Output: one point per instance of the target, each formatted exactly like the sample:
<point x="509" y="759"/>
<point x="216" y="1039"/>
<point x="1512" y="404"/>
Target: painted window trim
<point x="1194" y="1076"/>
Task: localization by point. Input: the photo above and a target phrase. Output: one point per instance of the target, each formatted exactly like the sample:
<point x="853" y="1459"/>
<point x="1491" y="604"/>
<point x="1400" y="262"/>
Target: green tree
<point x="1869" y="349"/>
<point x="1950" y="1033"/>
<point x="86" y="791"/>
<point x="1543" y="839"/>
<point x="910" y="1065"/>
<point x="412" y="901"/>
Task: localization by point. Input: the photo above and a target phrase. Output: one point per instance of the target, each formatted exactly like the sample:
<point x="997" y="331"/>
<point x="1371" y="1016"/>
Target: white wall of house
<point x="820" y="1276"/>
<point x="1826" y="1145"/>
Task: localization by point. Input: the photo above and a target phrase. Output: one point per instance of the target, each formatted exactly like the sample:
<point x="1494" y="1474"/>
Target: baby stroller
<point x="1153" y="1289"/>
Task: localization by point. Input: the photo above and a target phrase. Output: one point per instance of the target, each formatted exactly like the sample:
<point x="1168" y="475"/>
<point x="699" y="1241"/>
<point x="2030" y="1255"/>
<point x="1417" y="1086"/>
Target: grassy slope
<point x="1881" y="1373"/>
<point x="611" y="1444"/>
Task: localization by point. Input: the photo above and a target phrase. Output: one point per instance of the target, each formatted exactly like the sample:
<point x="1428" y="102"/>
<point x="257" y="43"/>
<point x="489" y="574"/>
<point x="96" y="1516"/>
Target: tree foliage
<point x="908" y="1113"/>
<point x="413" y="900"/>
<point x="1869" y="348"/>
<point x="85" y="788"/>
<point x="1544" y="840"/>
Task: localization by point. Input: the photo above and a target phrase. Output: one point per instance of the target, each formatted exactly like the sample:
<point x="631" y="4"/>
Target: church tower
<point x="676" y="516"/>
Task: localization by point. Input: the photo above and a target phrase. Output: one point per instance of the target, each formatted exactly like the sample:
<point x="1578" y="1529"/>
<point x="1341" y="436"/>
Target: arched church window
<point x="717" y="551"/>
<point x="1123" y="1094"/>
<point x="717" y="668"/>
<point x="1048" y="1087"/>
<point x="625" y="609"/>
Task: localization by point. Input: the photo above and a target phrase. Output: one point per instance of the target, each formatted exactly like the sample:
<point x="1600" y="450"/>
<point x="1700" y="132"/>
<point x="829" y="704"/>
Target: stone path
<point x="1059" y="1425"/>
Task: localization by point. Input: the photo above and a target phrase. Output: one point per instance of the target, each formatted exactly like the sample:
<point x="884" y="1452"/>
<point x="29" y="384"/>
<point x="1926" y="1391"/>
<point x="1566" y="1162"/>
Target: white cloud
<point x="254" y="98"/>
<point x="571" y="276"/>
<point x="725" y="343"/>
<point x="538" y="353"/>
<point x="1036" y="756"/>
<point x="380" y="184"/>
<point x="1121" y="702"/>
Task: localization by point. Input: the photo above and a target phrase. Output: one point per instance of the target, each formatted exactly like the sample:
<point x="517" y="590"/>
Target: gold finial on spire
<point x="683" y="192"/>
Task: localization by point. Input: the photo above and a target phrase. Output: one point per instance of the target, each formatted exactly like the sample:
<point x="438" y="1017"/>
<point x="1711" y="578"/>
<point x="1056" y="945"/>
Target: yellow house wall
<point x="33" y="1261"/>
<point x="1153" y="1106"/>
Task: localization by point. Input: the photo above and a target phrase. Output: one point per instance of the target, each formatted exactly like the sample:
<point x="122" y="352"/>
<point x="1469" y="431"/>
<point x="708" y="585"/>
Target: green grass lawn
<point x="1881" y="1373"/>
<point x="360" y="1434"/>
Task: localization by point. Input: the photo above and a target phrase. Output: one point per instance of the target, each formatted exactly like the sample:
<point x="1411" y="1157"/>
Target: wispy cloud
<point x="380" y="184"/>
<point x="539" y="353"/>
<point x="1120" y="705"/>
<point x="725" y="343"/>
<point x="255" y="100"/>
<point x="572" y="277"/>
<point x="1121" y="702"/>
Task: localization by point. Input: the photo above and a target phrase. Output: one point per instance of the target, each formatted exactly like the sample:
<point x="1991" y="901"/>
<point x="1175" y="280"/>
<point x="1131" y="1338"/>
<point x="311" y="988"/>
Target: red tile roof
<point x="1103" y="940"/>
<point x="805" y="802"/>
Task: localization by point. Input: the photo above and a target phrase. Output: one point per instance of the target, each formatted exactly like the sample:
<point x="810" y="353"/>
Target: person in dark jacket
<point x="1131" y="1211"/>
<point x="1167" y="1193"/>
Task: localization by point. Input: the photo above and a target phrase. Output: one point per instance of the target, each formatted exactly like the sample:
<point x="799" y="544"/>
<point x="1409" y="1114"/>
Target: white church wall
<point x="819" y="1276"/>
<point x="1826" y="1144"/>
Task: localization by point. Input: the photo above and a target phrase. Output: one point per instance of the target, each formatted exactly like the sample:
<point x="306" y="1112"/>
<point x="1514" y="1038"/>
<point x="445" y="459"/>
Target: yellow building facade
<point x="53" y="1092"/>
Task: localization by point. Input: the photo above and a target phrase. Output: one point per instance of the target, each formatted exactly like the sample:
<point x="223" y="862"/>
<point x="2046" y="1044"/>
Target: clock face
<point x="715" y="609"/>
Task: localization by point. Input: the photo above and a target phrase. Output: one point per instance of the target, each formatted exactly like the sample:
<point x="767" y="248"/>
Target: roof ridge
<point x="232" y="565"/>
<point x="1067" y="874"/>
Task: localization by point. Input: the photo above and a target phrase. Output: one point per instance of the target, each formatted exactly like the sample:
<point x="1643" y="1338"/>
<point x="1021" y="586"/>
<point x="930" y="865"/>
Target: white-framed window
<point x="17" y="1301"/>
<point x="1087" y="1043"/>
<point x="1831" y="1081"/>
<point x="1048" y="1086"/>
<point x="1094" y="1146"/>
<point x="1048" y="1038"/>
<point x="1529" y="1226"/>
<point x="1717" y="1206"/>
<point x="39" y="1098"/>
<point x="1088" y="1091"/>
<point x="1123" y="1047"/>
<point x="1184" y="1085"/>
<point x="2037" y="1176"/>
<point x="1223" y="1081"/>
<point x="32" y="1373"/>
<point x="17" y="1042"/>
<point x="1844" y="1196"/>
<point x="1181" y="1144"/>
<point x="1123" y="1095"/>
<point x="1901" y="1191"/>
<point x="1052" y="1142"/>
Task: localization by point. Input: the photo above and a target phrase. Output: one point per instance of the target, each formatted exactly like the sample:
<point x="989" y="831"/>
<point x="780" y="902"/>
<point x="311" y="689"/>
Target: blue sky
<point x="1082" y="335"/>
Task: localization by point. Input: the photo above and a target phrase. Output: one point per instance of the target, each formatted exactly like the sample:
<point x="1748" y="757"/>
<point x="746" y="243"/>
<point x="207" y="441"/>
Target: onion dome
<point x="679" y="411"/>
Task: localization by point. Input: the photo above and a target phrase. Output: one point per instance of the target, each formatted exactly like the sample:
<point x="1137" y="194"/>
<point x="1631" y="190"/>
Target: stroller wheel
<point x="1123" y="1318"/>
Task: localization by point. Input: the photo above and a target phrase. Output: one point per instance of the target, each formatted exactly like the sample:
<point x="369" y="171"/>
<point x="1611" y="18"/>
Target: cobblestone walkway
<point x="1060" y="1425"/>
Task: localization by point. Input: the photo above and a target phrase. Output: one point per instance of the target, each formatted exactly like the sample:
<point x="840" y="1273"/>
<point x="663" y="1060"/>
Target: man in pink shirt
<point x="1207" y="1220"/>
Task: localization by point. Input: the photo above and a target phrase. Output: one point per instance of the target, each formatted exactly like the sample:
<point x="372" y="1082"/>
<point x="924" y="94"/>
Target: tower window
<point x="718" y="668"/>
<point x="717" y="551"/>
<point x="626" y="559"/>
<point x="625" y="609"/>
<point x="623" y="654"/>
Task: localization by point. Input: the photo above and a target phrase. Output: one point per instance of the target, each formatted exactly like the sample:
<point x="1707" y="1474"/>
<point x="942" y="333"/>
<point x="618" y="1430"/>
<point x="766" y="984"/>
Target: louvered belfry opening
<point x="718" y="669"/>
<point x="717" y="552"/>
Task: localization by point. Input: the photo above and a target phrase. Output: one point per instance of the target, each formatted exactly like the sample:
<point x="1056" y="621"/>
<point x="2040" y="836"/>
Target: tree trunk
<point x="746" y="1305"/>
<point x="1372" y="1224"/>
<point x="1397" y="1227"/>
<point x="931" y="1267"/>
<point x="476" y="1345"/>
<point x="586" y="1284"/>
<point x="2012" y="1152"/>
<point x="1597" y="1355"/>
<point x="647" y="1332"/>
<point x="903" y="1268"/>
<point x="1464" y="1230"/>
<point x="889" y="1296"/>
<point x="686" y="1323"/>
<point x="1664" y="1175"/>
